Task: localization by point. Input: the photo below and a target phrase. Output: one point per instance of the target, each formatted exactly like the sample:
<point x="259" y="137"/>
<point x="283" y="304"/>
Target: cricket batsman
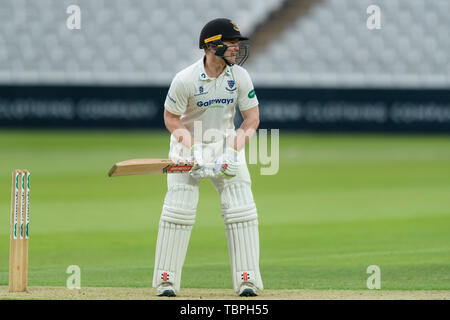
<point x="199" y="112"/>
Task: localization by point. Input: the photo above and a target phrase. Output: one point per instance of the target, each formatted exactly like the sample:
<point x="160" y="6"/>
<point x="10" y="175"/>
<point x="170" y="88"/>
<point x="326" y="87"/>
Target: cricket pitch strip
<point x="106" y="293"/>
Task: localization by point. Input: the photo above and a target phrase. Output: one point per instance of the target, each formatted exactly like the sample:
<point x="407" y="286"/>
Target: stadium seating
<point x="332" y="46"/>
<point x="120" y="41"/>
<point x="147" y="42"/>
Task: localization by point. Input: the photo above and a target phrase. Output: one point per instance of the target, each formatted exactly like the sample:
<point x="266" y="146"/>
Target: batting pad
<point x="241" y="223"/>
<point x="177" y="219"/>
<point x="237" y="203"/>
<point x="180" y="204"/>
<point x="171" y="247"/>
<point x="243" y="248"/>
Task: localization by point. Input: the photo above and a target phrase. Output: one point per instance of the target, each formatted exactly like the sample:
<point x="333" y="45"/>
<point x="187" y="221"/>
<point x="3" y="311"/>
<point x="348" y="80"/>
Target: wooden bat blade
<point x="146" y="166"/>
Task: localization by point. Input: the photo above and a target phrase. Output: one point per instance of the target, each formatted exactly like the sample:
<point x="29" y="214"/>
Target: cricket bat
<point x="147" y="166"/>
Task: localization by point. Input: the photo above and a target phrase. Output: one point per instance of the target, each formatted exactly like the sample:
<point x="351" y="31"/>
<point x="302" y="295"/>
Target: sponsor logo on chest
<point x="215" y="103"/>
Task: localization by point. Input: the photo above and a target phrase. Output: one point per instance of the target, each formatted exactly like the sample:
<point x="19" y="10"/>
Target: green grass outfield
<point x="338" y="204"/>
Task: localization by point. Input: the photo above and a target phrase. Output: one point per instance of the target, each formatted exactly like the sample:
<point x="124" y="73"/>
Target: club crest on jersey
<point x="231" y="85"/>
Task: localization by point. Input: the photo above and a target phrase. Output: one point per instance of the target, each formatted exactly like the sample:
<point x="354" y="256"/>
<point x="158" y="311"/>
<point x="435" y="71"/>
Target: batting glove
<point x="228" y="164"/>
<point x="197" y="155"/>
<point x="203" y="172"/>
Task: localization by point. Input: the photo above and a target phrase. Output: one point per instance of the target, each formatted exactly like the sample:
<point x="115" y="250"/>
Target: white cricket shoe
<point x="247" y="289"/>
<point x="165" y="290"/>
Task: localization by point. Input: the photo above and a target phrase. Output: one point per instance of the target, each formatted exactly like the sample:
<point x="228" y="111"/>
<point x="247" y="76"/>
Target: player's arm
<point x="247" y="128"/>
<point x="177" y="129"/>
<point x="249" y="108"/>
<point x="228" y="162"/>
<point x="174" y="106"/>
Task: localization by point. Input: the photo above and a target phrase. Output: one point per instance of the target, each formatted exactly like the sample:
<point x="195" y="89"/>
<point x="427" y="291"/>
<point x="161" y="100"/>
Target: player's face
<point x="232" y="51"/>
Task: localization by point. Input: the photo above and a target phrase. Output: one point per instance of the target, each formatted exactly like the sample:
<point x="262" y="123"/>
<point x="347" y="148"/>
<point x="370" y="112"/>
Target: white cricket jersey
<point x="197" y="97"/>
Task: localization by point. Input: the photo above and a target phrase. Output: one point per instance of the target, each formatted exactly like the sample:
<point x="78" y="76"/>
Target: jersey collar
<point x="204" y="76"/>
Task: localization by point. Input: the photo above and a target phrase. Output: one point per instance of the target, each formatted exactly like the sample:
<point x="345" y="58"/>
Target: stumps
<point x="20" y="219"/>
